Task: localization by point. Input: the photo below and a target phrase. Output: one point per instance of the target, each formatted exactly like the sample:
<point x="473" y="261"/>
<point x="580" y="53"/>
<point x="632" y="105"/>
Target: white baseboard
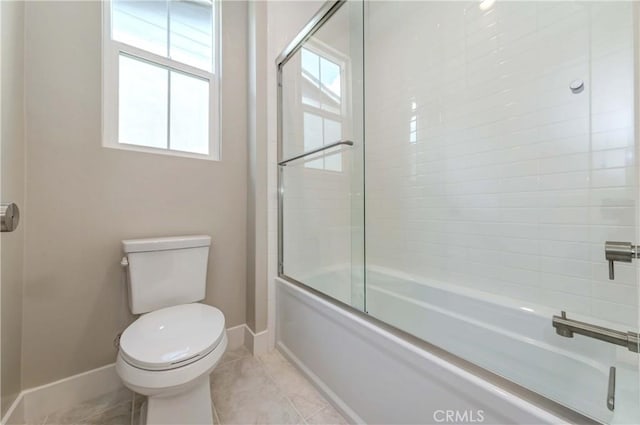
<point x="35" y="403"/>
<point x="242" y="335"/>
<point x="257" y="343"/>
<point x="15" y="413"/>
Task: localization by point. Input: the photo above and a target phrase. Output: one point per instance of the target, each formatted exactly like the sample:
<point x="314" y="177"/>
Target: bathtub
<point x="366" y="367"/>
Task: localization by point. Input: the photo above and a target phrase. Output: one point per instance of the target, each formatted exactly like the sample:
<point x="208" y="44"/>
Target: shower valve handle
<point x="619" y="251"/>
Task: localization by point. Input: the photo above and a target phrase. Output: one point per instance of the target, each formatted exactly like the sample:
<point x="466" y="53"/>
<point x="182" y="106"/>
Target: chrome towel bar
<point x="320" y="149"/>
<point x="567" y="327"/>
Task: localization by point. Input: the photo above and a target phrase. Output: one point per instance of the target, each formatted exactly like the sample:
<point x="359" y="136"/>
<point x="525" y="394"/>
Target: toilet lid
<point x="172" y="337"/>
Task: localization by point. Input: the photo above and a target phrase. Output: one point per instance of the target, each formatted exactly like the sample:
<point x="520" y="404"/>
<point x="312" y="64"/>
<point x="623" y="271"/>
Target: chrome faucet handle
<point x="619" y="251"/>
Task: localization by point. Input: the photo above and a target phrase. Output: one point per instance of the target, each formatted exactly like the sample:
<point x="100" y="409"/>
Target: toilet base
<point x="190" y="407"/>
<point x="175" y="396"/>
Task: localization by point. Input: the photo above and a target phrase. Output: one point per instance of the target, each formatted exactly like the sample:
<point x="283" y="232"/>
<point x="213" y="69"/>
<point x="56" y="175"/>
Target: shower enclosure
<point x="454" y="170"/>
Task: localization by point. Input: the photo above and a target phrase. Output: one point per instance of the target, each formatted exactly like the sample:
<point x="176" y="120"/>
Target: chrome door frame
<point x="327" y="10"/>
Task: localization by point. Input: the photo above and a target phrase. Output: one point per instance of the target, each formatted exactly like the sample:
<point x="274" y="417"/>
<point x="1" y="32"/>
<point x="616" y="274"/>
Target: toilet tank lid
<point x="163" y="244"/>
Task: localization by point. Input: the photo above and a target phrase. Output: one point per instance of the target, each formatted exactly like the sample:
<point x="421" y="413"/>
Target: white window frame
<point x="344" y="118"/>
<point x="111" y="50"/>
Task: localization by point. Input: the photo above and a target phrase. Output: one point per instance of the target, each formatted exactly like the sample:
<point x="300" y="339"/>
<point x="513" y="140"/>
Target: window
<point x="160" y="85"/>
<point x="322" y="101"/>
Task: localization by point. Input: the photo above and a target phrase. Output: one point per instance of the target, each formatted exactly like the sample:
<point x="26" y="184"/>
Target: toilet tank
<point x="164" y="272"/>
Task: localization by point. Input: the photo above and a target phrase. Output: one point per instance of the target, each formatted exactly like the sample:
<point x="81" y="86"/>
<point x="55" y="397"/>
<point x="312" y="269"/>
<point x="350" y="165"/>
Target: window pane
<point x="189" y="114"/>
<point x="332" y="133"/>
<point x="333" y="162"/>
<point x="142" y="103"/>
<point x="311" y="95"/>
<point x="312" y="137"/>
<point x="330" y="77"/>
<point x="312" y="131"/>
<point x="142" y="24"/>
<point x="191" y="33"/>
<point x="311" y="66"/>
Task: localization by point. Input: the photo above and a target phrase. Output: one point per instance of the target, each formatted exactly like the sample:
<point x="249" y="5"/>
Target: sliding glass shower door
<point x="501" y="156"/>
<point x="502" y="186"/>
<point x="321" y="159"/>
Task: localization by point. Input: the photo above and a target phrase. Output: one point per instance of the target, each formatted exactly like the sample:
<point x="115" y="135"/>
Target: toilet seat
<point x="172" y="337"/>
<point x="171" y="381"/>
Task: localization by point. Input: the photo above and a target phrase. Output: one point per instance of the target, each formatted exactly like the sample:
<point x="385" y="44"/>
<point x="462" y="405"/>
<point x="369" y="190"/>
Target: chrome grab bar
<point x="567" y="327"/>
<point x="320" y="149"/>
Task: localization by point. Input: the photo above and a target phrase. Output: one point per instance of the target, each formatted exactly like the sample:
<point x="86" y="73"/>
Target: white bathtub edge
<point x="399" y="344"/>
<point x="333" y="398"/>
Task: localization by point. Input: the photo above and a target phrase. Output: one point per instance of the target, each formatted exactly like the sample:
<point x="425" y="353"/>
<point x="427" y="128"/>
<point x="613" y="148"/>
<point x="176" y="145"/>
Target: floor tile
<point x="305" y="398"/>
<point x="232" y="355"/>
<point x="119" y="414"/>
<point x="244" y="390"/>
<point x="327" y="416"/>
<point x="92" y="411"/>
<point x="243" y="393"/>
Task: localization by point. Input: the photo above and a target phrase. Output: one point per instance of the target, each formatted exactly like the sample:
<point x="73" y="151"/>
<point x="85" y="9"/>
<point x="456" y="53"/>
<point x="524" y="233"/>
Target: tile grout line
<point x="269" y="376"/>
<point x="234" y="360"/>
<point x="327" y="405"/>
<point x="304" y="420"/>
<point x="279" y="387"/>
<point x="215" y="412"/>
<point x="317" y="411"/>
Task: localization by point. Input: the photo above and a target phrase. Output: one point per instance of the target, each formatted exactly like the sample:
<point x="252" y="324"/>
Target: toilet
<point x="168" y="353"/>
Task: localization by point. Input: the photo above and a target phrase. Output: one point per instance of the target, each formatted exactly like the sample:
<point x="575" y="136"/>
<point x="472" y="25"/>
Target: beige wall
<point x="83" y="198"/>
<point x="257" y="161"/>
<point x="12" y="190"/>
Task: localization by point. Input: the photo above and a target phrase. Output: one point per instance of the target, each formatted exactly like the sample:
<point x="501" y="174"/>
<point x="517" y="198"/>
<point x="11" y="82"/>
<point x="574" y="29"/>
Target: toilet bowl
<point x="167" y="355"/>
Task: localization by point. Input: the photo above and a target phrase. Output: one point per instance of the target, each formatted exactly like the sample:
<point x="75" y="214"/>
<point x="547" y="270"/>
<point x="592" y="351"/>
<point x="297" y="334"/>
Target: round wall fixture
<point x="576" y="86"/>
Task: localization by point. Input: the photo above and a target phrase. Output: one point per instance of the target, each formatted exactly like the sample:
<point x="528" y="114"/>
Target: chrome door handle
<point x="619" y="251"/>
<point x="314" y="151"/>
<point x="9" y="217"/>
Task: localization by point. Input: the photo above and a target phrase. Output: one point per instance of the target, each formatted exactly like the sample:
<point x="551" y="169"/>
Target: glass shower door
<point x="321" y="159"/>
<point x="501" y="155"/>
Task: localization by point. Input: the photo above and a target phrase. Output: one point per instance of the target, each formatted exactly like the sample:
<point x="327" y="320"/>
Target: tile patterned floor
<point x="244" y="389"/>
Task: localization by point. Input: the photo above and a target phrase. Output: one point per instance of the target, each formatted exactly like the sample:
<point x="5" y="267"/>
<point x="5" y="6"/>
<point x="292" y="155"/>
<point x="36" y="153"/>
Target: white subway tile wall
<point x="483" y="168"/>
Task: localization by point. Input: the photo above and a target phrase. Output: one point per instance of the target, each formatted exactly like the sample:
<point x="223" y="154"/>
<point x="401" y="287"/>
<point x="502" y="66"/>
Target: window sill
<point x="166" y="152"/>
